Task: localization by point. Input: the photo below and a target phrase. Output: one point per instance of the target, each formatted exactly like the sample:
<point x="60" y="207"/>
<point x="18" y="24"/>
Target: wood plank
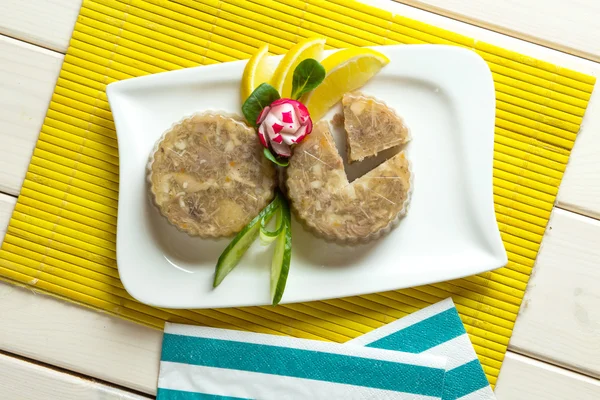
<point x="560" y="317"/>
<point x="27" y="78"/>
<point x="7" y="203"/>
<point x="46" y="23"/>
<point x="539" y="21"/>
<point x="580" y="188"/>
<point x="522" y="378"/>
<point x="27" y="381"/>
<point x="78" y="339"/>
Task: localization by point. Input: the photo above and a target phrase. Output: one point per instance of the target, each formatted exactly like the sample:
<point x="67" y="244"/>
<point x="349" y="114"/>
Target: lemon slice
<point x="256" y="72"/>
<point x="347" y="70"/>
<point x="282" y="77"/>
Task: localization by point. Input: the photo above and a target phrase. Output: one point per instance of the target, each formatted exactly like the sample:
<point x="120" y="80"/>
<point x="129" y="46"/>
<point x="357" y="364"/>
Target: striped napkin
<point x="426" y="355"/>
<point x="207" y="363"/>
<point x="436" y="330"/>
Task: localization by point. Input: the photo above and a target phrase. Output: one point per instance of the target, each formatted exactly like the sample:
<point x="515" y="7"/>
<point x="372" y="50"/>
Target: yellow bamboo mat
<point x="61" y="238"/>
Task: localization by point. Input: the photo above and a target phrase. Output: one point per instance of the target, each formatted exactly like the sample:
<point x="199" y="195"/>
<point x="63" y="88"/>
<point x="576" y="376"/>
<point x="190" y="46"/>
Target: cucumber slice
<point x="282" y="255"/>
<point x="232" y="254"/>
<point x="266" y="236"/>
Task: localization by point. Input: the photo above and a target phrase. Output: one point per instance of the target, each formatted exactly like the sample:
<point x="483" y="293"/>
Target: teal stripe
<point x="306" y="364"/>
<point x="168" y="394"/>
<point x="463" y="380"/>
<point x="424" y="335"/>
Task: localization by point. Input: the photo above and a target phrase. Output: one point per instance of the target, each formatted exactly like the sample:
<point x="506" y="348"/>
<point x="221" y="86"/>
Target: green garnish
<point x="307" y="76"/>
<point x="261" y="97"/>
<point x="282" y="162"/>
<point x="266" y="236"/>
<point x="280" y="266"/>
<point x="282" y="236"/>
<point x="232" y="254"/>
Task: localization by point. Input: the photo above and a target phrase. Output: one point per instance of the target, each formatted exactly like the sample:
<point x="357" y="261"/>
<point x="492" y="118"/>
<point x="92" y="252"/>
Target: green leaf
<point x="262" y="96"/>
<point x="282" y="162"/>
<point x="307" y="76"/>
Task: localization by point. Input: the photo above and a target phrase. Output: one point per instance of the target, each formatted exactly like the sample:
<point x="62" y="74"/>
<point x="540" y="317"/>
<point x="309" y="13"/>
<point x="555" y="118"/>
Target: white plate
<point x="445" y="94"/>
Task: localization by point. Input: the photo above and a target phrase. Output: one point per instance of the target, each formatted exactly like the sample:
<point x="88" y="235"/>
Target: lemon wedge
<point x="308" y="48"/>
<point x="256" y="72"/>
<point x="347" y="70"/>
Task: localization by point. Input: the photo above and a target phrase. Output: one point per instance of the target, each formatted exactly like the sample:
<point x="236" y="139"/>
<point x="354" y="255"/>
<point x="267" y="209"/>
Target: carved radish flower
<point x="282" y="124"/>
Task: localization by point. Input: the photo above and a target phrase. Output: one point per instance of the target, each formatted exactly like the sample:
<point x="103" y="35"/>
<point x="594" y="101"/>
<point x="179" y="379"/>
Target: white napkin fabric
<point x="207" y="363"/>
<point x="436" y="330"/>
<point x="424" y="356"/>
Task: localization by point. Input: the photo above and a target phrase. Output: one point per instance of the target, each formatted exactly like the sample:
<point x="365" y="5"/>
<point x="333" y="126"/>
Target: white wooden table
<point x="51" y="349"/>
